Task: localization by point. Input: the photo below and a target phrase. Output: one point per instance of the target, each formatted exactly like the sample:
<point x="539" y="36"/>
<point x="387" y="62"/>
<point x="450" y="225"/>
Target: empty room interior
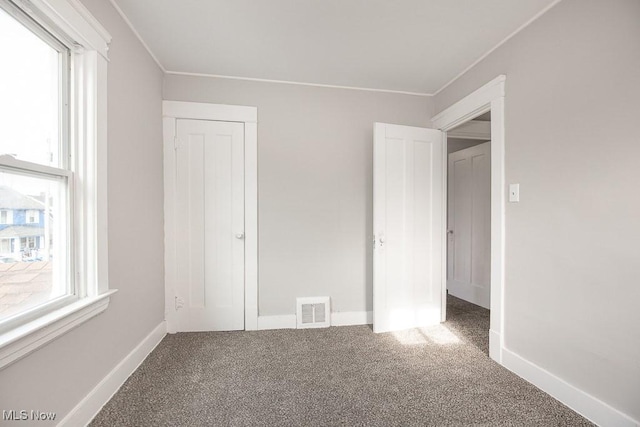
<point x="319" y="212"/>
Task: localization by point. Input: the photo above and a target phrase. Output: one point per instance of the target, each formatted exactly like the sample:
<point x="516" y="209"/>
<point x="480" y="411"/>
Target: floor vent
<point x="313" y="312"/>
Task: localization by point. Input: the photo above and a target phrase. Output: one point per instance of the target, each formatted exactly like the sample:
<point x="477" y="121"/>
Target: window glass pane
<point x="30" y="100"/>
<point x="33" y="245"/>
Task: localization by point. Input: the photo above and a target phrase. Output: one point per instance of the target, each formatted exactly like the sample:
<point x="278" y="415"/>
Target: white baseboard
<point x="586" y="405"/>
<point x="89" y="407"/>
<point x="495" y="346"/>
<point x="345" y="318"/>
<point x="287" y="321"/>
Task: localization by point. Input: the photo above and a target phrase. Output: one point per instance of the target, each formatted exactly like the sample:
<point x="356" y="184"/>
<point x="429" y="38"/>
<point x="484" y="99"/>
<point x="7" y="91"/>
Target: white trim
<point x="471" y="105"/>
<point x="125" y="18"/>
<point x="204" y="111"/>
<point x="489" y="97"/>
<point x="583" y="403"/>
<point x="72" y="22"/>
<point x="89" y="136"/>
<point x="286" y="321"/>
<point x="338" y="318"/>
<point x="251" y="225"/>
<point x="73" y="19"/>
<point x="444" y="235"/>
<point x="287" y="82"/>
<point x="95" y="24"/>
<point x="173" y="110"/>
<point x="490" y="51"/>
<point x="97" y="171"/>
<point x="170" y="225"/>
<point x="495" y="342"/>
<point x="88" y="408"/>
<point x="8" y="161"/>
<point x="346" y="318"/>
<point x="20" y="341"/>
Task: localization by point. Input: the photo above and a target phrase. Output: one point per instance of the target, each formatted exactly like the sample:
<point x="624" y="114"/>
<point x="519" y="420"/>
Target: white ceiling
<point x="398" y="45"/>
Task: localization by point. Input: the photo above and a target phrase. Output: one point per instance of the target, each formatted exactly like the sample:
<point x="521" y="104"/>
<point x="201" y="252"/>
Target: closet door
<point x="469" y="225"/>
<point x="210" y="225"/>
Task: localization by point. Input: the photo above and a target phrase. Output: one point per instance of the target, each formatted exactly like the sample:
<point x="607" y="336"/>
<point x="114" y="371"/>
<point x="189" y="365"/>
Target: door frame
<point x="171" y="112"/>
<point x="489" y="97"/>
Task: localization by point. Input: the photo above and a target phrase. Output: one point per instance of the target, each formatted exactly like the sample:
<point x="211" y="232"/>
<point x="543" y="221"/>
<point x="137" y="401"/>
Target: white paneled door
<point x="469" y="225"/>
<point x="408" y="198"/>
<point x="210" y="225"/>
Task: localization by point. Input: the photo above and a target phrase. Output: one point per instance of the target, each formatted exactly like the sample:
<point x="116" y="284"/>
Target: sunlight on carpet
<point x="437" y="334"/>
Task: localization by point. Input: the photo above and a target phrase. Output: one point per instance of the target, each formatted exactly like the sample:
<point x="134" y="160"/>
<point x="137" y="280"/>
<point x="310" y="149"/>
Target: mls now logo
<point x="23" y="415"/>
<point x="15" y="415"/>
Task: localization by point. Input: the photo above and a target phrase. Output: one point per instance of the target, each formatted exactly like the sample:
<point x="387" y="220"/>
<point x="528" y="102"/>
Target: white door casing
<point x="469" y="224"/>
<point x="408" y="220"/>
<point x="173" y="225"/>
<point x="490" y="97"/>
<point x="210" y="242"/>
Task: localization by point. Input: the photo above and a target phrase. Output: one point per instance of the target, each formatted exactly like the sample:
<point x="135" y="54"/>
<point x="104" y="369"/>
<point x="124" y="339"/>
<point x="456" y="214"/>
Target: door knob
<point x="240" y="236"/>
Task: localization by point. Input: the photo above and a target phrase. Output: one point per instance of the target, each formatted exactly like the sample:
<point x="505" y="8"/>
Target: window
<point x="33" y="216"/>
<point x="28" y="243"/>
<point x="34" y="109"/>
<point x="52" y="171"/>
<point x="6" y="217"/>
<point x="5" y="250"/>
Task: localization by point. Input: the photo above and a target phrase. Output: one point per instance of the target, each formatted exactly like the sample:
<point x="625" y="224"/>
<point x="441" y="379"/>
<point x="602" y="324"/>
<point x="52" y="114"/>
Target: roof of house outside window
<point x="21" y="231"/>
<point x="12" y="199"/>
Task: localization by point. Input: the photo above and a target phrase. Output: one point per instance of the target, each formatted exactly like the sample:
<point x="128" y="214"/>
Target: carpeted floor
<point x="439" y="376"/>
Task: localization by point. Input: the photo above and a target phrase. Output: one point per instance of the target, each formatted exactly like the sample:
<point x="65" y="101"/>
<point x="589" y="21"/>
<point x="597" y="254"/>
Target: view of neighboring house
<point x="22" y="227"/>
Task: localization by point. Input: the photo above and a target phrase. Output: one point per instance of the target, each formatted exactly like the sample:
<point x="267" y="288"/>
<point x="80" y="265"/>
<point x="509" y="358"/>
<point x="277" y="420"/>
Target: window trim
<point x="21" y="341"/>
<point x="29" y="215"/>
<point x="70" y="21"/>
<point x="9" y="217"/>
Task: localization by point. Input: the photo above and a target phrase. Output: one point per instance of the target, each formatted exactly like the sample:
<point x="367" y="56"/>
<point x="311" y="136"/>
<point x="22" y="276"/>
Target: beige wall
<point x="57" y="376"/>
<point x="572" y="243"/>
<point x="315" y="183"/>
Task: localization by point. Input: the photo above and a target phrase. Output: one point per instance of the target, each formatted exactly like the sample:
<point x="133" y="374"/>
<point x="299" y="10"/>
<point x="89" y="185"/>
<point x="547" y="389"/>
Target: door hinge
<point x="176" y="143"/>
<point x="179" y="303"/>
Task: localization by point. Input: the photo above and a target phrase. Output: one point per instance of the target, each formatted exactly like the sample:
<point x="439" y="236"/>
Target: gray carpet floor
<point x="439" y="376"/>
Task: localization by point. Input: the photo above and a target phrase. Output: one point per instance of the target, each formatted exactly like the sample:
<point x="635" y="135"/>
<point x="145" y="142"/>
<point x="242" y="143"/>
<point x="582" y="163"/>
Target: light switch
<point x="514" y="192"/>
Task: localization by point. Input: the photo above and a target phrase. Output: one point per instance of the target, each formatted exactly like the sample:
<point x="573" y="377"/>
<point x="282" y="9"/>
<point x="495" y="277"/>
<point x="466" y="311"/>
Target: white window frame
<point x="76" y="27"/>
<point x="9" y="217"/>
<point x="32" y="213"/>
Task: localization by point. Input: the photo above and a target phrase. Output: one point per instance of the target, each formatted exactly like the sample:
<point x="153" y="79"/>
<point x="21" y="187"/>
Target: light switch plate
<point x="514" y="192"/>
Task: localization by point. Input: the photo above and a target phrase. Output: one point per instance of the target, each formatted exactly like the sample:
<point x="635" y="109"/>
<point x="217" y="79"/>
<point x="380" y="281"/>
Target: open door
<point x="408" y="202"/>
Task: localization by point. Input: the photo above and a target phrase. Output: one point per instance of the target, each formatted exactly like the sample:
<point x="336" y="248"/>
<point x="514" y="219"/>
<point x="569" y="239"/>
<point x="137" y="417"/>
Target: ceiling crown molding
<point x="251" y="79"/>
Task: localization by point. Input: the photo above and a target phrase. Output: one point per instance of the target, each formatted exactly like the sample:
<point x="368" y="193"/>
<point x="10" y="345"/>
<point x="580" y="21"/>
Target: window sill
<point x="24" y="339"/>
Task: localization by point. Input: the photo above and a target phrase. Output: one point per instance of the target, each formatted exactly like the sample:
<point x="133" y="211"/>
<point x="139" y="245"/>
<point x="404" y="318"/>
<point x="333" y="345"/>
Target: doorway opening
<point x="468" y="273"/>
<point x="490" y="97"/>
